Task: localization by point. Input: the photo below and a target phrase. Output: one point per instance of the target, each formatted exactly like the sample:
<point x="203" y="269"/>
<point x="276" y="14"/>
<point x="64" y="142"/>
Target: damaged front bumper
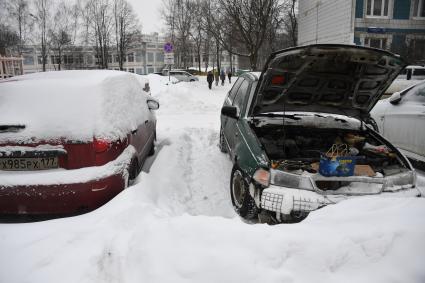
<point x="293" y="193"/>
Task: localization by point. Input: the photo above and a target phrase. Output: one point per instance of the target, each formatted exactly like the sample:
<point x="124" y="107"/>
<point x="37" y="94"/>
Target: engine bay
<point x="297" y="148"/>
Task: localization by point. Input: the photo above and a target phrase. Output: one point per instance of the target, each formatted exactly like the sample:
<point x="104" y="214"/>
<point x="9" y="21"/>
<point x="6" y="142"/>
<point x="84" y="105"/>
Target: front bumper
<point x="305" y="196"/>
<point x="287" y="200"/>
<point x="59" y="191"/>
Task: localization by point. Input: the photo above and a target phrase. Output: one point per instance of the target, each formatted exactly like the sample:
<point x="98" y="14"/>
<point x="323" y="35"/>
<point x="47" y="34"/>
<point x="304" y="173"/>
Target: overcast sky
<point x="149" y="15"/>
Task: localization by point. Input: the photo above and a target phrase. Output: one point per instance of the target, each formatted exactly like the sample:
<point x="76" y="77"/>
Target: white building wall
<point x="326" y="21"/>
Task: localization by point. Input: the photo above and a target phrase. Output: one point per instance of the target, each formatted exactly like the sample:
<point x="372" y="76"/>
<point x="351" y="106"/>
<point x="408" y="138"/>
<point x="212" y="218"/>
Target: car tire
<point x="222" y="142"/>
<point x="242" y="201"/>
<point x="152" y="150"/>
<point x="133" y="170"/>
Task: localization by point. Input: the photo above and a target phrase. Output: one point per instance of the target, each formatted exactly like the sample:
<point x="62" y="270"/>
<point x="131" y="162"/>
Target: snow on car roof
<point x="71" y="105"/>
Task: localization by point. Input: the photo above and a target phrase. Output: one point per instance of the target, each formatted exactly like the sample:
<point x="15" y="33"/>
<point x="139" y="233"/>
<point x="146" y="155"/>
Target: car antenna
<point x="283" y="124"/>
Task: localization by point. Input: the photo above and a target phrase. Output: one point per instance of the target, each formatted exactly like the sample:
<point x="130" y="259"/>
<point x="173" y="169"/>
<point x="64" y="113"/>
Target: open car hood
<point x="327" y="78"/>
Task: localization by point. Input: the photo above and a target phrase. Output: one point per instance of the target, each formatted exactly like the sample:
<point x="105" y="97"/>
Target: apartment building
<point x="395" y="25"/>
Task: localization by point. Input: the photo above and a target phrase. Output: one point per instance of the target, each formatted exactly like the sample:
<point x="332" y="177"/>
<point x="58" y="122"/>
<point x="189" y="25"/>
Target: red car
<point x="70" y="141"/>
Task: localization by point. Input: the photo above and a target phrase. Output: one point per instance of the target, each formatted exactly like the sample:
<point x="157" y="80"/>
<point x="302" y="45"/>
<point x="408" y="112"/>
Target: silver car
<point x="183" y="76"/>
<point x="401" y="119"/>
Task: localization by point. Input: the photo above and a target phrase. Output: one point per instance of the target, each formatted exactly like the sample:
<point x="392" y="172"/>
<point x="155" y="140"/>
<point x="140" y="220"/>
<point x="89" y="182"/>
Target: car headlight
<point x="262" y="176"/>
<point x="289" y="180"/>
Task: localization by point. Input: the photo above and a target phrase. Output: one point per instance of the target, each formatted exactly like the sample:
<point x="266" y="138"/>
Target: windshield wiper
<point x="11" y="128"/>
<point x="272" y="115"/>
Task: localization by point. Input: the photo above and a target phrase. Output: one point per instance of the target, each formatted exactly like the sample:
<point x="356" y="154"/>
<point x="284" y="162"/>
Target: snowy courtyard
<point x="177" y="224"/>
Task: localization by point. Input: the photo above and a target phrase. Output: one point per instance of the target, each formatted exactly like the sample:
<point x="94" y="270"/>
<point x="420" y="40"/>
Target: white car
<point x="412" y="72"/>
<point x="182" y="76"/>
<point x="401" y="119"/>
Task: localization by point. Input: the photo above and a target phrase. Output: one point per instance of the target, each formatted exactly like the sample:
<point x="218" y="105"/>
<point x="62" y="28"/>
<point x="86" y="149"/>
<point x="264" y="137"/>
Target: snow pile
<point x="159" y="83"/>
<point x="74" y="105"/>
<point x="177" y="224"/>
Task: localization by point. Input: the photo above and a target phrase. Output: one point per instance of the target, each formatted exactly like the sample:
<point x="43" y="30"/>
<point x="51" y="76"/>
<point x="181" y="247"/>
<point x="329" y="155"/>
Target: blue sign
<point x="375" y="30"/>
<point x="168" y="47"/>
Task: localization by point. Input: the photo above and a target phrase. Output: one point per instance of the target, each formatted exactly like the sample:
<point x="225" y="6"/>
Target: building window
<point x="160" y="57"/>
<point x="131" y="70"/>
<point x="380" y="43"/>
<point x="67" y="59"/>
<point x="28" y="60"/>
<point x="130" y="57"/>
<point x="139" y="71"/>
<point x="150" y="57"/>
<point x="89" y="59"/>
<point x="377" y="8"/>
<point x="79" y="59"/>
<point x="418" y="8"/>
<point x="110" y="58"/>
<point x="139" y="57"/>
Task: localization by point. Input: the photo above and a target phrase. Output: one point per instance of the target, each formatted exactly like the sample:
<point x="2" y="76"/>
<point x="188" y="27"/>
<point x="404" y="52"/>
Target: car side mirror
<point x="230" y="111"/>
<point x="395" y="98"/>
<point x="153" y="104"/>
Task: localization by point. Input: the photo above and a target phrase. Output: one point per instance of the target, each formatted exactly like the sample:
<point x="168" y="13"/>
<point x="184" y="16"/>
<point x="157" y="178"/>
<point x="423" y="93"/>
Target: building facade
<point x="144" y="56"/>
<point x="394" y="25"/>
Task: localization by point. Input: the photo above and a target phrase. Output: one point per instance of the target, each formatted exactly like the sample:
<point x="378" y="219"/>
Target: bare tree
<point x="252" y="19"/>
<point x="98" y="20"/>
<point x="290" y="20"/>
<point x="42" y="20"/>
<point x="197" y="32"/>
<point x="19" y="10"/>
<point x="179" y="16"/>
<point x="60" y="33"/>
<point x="8" y="38"/>
<point x="126" y="26"/>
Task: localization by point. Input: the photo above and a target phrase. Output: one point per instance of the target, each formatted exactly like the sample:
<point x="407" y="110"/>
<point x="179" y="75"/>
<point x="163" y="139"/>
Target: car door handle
<point x="134" y="131"/>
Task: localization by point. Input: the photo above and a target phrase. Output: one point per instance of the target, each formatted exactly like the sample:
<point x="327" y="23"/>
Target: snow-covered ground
<point x="176" y="224"/>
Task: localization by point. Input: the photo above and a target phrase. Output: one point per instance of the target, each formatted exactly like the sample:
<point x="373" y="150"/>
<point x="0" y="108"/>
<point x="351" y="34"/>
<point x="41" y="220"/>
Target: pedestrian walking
<point x="217" y="78"/>
<point x="222" y="76"/>
<point x="210" y="79"/>
<point x="229" y="75"/>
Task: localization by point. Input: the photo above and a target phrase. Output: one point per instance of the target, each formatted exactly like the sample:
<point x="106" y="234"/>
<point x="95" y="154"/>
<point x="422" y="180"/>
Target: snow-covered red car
<point x="70" y="141"/>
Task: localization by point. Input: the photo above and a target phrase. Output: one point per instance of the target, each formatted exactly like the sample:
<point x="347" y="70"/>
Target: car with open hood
<point x="300" y="135"/>
<point x="71" y="140"/>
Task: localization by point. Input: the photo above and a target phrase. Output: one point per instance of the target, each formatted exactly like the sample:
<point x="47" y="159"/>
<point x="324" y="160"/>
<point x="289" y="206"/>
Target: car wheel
<point x="222" y="142"/>
<point x="242" y="201"/>
<point x="192" y="80"/>
<point x="152" y="150"/>
<point x="134" y="170"/>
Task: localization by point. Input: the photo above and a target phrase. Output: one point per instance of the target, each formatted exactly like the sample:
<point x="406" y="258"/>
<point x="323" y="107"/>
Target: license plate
<point x="22" y="164"/>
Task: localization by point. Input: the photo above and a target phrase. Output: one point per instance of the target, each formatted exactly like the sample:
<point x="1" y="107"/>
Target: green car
<point x="300" y="135"/>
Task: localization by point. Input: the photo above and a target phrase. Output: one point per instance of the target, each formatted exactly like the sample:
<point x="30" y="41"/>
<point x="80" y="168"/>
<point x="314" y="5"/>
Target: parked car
<point x="401" y="119"/>
<point x="182" y="76"/>
<point x="409" y="76"/>
<point x="281" y="129"/>
<point x="71" y="140"/>
<point x="412" y="72"/>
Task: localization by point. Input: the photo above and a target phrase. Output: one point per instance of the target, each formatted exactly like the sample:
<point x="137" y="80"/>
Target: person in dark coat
<point x="222" y="77"/>
<point x="229" y="75"/>
<point x="210" y="79"/>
